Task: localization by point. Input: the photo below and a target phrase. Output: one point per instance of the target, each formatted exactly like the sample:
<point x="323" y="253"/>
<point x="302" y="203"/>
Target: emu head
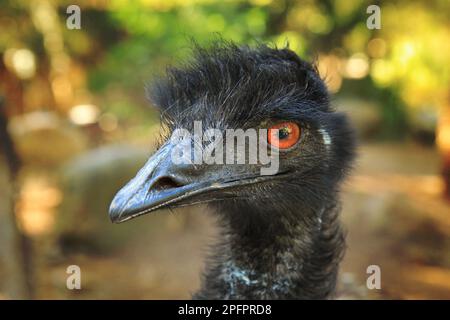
<point x="230" y="87"/>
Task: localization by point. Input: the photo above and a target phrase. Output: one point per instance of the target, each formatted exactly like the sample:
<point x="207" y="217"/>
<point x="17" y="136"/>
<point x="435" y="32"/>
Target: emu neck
<point x="271" y="254"/>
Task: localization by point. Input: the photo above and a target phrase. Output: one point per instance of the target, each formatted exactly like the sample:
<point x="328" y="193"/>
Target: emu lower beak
<point x="161" y="183"/>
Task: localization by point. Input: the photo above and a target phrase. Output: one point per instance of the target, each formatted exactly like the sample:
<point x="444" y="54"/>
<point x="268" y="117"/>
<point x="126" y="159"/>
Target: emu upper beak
<point x="161" y="183"/>
<point x="154" y="186"/>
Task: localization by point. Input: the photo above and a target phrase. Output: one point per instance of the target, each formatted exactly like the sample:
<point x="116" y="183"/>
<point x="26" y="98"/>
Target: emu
<point x="281" y="236"/>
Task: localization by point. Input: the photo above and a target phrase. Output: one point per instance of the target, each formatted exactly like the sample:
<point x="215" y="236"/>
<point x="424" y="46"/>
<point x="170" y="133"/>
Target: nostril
<point x="165" y="183"/>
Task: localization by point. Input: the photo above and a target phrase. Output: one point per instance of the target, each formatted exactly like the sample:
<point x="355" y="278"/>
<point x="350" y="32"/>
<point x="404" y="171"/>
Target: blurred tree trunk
<point x="14" y="281"/>
<point x="443" y="144"/>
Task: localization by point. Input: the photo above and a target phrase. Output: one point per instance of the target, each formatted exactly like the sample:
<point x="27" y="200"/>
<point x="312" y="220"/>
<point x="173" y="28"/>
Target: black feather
<point x="283" y="239"/>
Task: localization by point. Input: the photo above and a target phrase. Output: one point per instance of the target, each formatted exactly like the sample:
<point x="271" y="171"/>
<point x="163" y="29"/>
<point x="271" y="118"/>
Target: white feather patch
<point x="326" y="137"/>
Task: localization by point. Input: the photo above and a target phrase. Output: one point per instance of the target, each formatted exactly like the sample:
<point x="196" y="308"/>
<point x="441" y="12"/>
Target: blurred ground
<point x="393" y="212"/>
<point x="396" y="218"/>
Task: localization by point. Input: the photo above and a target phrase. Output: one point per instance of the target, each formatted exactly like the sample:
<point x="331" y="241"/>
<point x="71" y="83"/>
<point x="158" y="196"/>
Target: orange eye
<point x="287" y="135"/>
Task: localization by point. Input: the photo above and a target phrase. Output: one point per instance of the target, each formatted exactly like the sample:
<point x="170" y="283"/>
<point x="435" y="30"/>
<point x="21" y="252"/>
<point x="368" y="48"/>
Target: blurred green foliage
<point x="403" y="66"/>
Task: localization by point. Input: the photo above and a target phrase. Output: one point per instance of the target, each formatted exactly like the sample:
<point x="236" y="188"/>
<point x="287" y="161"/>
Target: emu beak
<point x="156" y="185"/>
<point x="162" y="183"/>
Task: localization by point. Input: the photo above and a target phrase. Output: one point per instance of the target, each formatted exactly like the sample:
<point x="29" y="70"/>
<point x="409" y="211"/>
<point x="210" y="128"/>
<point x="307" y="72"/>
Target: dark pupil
<point x="283" y="133"/>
